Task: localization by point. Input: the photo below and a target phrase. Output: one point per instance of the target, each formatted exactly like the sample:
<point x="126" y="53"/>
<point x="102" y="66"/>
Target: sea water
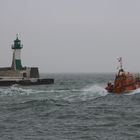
<point x="75" y="107"/>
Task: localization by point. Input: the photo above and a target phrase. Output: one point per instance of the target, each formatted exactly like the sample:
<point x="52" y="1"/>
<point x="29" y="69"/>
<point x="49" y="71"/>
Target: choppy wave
<point x="77" y="109"/>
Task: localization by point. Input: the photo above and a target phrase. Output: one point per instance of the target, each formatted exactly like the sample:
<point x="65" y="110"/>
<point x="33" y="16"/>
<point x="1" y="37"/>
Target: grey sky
<point x="72" y="35"/>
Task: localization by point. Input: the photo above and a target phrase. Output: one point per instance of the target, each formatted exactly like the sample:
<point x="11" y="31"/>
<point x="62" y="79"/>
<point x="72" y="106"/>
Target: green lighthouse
<point x="16" y="47"/>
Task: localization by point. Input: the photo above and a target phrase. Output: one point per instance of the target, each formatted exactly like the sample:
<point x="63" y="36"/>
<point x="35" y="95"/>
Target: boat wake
<point x="87" y="93"/>
<point x="94" y="91"/>
<point x="72" y="95"/>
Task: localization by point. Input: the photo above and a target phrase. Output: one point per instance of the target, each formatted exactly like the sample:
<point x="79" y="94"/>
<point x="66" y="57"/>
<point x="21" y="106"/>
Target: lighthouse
<point x="17" y="74"/>
<point x="16" y="47"/>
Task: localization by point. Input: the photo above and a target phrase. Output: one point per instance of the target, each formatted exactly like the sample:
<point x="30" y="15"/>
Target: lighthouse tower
<point x="16" y="47"/>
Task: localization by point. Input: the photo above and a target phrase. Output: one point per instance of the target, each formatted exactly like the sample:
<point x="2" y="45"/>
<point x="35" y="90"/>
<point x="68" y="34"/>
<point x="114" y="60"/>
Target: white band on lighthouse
<point x="17" y="54"/>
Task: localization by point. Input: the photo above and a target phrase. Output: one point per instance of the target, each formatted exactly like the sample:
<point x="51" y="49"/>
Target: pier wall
<point x="26" y="72"/>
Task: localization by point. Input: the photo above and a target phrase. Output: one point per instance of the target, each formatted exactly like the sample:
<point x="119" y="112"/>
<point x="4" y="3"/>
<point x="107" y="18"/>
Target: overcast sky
<point x="72" y="35"/>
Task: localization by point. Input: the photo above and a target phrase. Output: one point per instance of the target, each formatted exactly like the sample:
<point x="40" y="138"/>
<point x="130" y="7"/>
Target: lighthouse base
<point x="25" y="82"/>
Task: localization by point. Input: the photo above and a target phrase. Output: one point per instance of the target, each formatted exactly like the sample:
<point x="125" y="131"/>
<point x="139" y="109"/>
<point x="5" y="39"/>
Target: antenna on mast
<point x="120" y="61"/>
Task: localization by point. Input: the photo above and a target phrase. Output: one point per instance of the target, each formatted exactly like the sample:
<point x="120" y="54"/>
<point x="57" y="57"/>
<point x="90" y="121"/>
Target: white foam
<point x="94" y="92"/>
<point x="134" y="92"/>
<point x="15" y="90"/>
<point x="87" y="93"/>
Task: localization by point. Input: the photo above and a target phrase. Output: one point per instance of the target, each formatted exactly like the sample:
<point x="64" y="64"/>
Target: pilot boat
<point x="124" y="82"/>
